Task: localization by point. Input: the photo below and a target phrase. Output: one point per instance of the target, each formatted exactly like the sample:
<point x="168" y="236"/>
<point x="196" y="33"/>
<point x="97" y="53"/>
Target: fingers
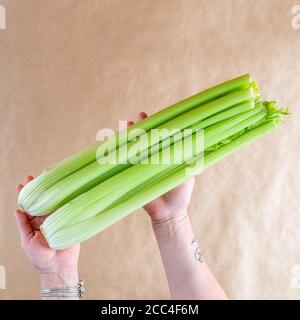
<point x="29" y="217"/>
<point x="28" y="179"/>
<point x="141" y="115"/>
<point x="19" y="188"/>
<point x="130" y="123"/>
<point x="24" y="227"/>
<point x="36" y="222"/>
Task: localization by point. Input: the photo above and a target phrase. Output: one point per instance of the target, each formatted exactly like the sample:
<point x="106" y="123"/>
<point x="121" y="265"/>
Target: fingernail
<point x="19" y="186"/>
<point x="142" y="115"/>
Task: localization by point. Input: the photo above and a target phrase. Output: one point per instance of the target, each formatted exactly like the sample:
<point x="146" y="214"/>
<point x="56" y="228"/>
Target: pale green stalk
<point x="67" y="237"/>
<point x="106" y="193"/>
<point x="94" y="173"/>
<point x="59" y="171"/>
<point x="31" y="192"/>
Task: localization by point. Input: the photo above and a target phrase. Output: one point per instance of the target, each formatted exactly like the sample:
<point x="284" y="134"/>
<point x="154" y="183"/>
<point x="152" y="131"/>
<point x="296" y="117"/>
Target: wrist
<point x="168" y="228"/>
<point x="169" y="218"/>
<point x="60" y="279"/>
<point x="173" y="230"/>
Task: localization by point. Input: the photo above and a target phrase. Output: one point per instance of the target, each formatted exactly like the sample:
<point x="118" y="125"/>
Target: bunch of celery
<point x="85" y="196"/>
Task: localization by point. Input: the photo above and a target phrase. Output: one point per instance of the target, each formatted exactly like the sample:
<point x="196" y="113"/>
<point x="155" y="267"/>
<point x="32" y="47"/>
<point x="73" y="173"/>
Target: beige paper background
<point x="71" y="67"/>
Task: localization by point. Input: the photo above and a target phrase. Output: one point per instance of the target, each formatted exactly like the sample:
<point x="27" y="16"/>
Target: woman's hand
<point x="57" y="268"/>
<point x="188" y="274"/>
<point x="172" y="204"/>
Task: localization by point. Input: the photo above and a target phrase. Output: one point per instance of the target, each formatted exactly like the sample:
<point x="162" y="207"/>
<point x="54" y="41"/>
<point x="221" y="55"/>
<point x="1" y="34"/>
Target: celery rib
<point x="63" y="169"/>
<point x="66" y="237"/>
<point x="101" y="196"/>
<point x="88" y="196"/>
<point x="94" y="173"/>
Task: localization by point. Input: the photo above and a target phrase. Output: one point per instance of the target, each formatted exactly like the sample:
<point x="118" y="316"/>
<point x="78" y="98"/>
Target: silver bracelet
<point x="71" y="292"/>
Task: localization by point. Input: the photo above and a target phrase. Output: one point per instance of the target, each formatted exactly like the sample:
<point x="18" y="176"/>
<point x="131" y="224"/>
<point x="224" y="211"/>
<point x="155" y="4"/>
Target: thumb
<point x="24" y="226"/>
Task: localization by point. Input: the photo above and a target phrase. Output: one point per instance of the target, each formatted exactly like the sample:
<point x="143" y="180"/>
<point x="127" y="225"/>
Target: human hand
<point x="174" y="203"/>
<point x="57" y="268"/>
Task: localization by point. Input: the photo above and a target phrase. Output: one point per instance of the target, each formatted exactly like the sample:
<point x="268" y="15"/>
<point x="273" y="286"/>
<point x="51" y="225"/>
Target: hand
<point x="56" y="267"/>
<point x="174" y="203"/>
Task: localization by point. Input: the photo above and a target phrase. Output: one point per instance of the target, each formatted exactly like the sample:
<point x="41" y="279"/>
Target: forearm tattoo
<point x="197" y="254"/>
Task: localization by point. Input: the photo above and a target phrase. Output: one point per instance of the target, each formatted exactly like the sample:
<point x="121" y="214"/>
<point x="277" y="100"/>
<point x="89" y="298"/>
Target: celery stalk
<point x="104" y="194"/>
<point x="91" y="175"/>
<point x="68" y="236"/>
<point x="59" y="171"/>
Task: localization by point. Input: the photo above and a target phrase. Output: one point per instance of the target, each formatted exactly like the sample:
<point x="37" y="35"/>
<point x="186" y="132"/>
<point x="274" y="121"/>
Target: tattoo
<point x="198" y="255"/>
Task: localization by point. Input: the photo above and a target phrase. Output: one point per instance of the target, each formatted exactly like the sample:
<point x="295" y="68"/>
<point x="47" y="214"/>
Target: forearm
<point x="188" y="275"/>
<point x="60" y="279"/>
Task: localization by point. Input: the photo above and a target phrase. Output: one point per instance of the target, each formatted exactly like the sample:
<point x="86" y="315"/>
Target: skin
<point x="188" y="275"/>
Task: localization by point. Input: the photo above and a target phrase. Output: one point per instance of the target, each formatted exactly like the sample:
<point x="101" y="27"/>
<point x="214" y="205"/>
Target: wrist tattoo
<point x="197" y="254"/>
